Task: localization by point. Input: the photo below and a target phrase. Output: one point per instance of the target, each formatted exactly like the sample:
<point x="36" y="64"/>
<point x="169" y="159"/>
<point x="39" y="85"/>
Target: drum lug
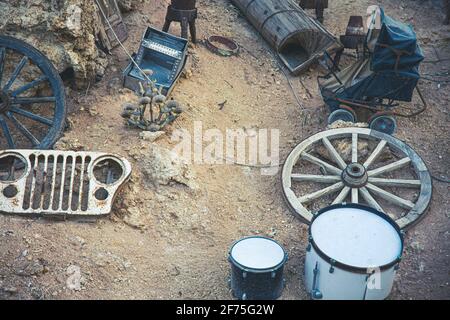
<point x="332" y="262"/>
<point x="315" y="293"/>
<point x="308" y="248"/>
<point x="244" y="274"/>
<point x="310" y="239"/>
<point x="244" y="296"/>
<point x="273" y="274"/>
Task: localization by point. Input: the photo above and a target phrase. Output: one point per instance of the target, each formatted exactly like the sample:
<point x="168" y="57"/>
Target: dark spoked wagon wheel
<point x="32" y="103"/>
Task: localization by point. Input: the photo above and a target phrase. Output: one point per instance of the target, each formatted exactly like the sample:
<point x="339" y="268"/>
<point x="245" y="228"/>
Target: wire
<point x="443" y="180"/>
<point x="436" y="80"/>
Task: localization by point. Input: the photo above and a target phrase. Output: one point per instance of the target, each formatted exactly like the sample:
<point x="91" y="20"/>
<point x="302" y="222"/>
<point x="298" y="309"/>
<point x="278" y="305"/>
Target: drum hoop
<point x="347" y="267"/>
<point x="253" y="270"/>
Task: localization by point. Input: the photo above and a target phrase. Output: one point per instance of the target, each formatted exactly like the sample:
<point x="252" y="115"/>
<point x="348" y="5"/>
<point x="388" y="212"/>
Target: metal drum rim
<point x="254" y="270"/>
<point x="347" y="267"/>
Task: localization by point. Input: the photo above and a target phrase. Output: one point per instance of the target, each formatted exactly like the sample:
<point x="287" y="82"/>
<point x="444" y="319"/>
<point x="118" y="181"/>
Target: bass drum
<point x="353" y="253"/>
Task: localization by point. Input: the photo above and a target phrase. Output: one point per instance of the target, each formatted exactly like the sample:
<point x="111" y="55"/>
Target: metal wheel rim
<point x="374" y="123"/>
<point x="335" y="181"/>
<point x="52" y="127"/>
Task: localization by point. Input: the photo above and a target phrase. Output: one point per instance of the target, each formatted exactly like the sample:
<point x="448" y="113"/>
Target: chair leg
<point x="319" y="11"/>
<point x="447" y="11"/>
<point x="166" y="25"/>
<point x="184" y="28"/>
<point x="193" y="31"/>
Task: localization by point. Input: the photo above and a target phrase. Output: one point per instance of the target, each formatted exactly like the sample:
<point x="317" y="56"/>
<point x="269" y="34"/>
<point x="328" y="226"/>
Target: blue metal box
<point x="161" y="52"/>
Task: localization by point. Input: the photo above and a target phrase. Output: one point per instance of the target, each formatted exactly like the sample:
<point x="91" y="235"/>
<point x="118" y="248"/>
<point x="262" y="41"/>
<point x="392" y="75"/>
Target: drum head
<point x="257" y="253"/>
<point x="356" y="237"/>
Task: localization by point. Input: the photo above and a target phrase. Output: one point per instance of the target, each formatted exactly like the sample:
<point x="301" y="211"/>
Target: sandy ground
<point x="171" y="242"/>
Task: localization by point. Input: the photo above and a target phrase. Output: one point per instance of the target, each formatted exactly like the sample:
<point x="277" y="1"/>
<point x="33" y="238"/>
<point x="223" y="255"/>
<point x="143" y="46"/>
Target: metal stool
<point x="185" y="12"/>
<point x="318" y="5"/>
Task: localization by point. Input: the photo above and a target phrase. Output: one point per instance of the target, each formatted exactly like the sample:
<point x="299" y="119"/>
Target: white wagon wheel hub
<point x="361" y="179"/>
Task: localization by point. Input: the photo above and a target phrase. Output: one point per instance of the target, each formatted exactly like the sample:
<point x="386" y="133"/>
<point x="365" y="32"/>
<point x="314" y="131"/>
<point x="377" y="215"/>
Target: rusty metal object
<point x="60" y="182"/>
<point x="185" y="12"/>
<point x="110" y="10"/>
<point x="232" y="46"/>
<point x="354" y="34"/>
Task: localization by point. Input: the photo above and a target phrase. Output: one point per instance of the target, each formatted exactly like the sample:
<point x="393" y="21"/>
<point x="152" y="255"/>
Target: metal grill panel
<point x="59" y="182"/>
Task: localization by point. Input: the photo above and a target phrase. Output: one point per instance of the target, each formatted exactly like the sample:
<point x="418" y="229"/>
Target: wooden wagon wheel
<point x="32" y="101"/>
<point x="376" y="169"/>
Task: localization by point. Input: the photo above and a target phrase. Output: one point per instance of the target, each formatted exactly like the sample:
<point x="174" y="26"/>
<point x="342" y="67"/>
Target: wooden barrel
<point x="297" y="38"/>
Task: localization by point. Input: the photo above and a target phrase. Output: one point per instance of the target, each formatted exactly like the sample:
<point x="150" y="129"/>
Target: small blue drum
<point x="257" y="265"/>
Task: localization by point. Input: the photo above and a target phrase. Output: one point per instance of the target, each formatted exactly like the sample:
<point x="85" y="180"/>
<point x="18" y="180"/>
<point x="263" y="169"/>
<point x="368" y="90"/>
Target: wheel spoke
<point x="323" y="192"/>
<point x="32" y="116"/>
<point x="342" y="195"/>
<point x="2" y="63"/>
<point x="390" y="197"/>
<point x="354" y="147"/>
<point x="328" y="167"/>
<point x="22" y="129"/>
<point x="369" y="199"/>
<point x="390" y="167"/>
<point x="355" y="192"/>
<point x="315" y="178"/>
<point x="375" y="153"/>
<point x="7" y="133"/>
<point x="402" y="183"/>
<point x="333" y="153"/>
<point x="29" y="85"/>
<point x="16" y="72"/>
<point x="31" y="100"/>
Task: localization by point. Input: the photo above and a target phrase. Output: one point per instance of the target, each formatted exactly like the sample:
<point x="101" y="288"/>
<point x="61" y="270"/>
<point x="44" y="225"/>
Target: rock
<point x="35" y="268"/>
<point x="75" y="278"/>
<point x="134" y="218"/>
<point x="151" y="136"/>
<point x="8" y="233"/>
<point x="161" y="166"/>
<point x="77" y="241"/>
<point x="343" y="124"/>
<point x="273" y="232"/>
<point x="114" y="85"/>
<point x="187" y="74"/>
<point x="173" y="271"/>
<point x="63" y="30"/>
<point x="422" y="266"/>
<point x="93" y="111"/>
<point x="344" y="148"/>
<point x="128" y="5"/>
<point x="69" y="144"/>
<point x="416" y="246"/>
<point x="10" y="290"/>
